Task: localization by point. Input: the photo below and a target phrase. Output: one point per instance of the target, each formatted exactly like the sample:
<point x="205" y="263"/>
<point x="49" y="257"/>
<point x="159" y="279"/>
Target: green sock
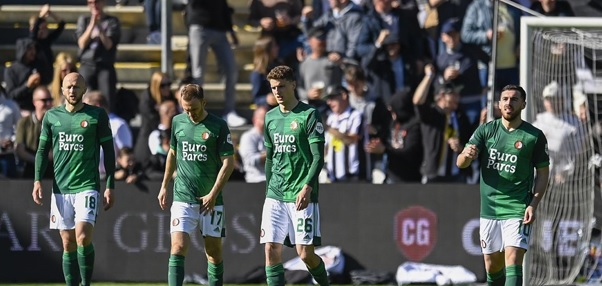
<point x="215" y="274"/>
<point x="175" y="274"/>
<point x="275" y="275"/>
<point x="319" y="273"/>
<point x="514" y="275"/>
<point x="70" y="268"/>
<point x="496" y="279"/>
<point x="85" y="257"/>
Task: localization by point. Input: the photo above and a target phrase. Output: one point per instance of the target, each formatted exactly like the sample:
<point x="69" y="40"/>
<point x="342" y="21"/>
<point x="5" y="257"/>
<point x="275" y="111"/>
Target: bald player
<point x="75" y="132"/>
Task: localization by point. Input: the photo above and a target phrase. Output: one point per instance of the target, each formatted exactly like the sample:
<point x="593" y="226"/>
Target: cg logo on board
<point x="415" y="232"/>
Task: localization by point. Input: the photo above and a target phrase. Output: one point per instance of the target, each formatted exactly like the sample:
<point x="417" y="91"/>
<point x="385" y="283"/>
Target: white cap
<point x="551" y="90"/>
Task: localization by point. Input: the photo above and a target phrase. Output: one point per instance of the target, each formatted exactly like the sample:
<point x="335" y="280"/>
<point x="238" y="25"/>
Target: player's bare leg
<point x="215" y="265"/>
<point x="494" y="266"/>
<point x="314" y="263"/>
<point x="179" y="247"/>
<point x="273" y="264"/>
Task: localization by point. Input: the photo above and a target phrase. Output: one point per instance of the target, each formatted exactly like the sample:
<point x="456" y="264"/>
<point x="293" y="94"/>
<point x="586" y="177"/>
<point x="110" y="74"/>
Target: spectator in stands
<point x="167" y="110"/>
<point x="158" y="91"/>
<point x="344" y="134"/>
<point x="38" y="31"/>
<point x="122" y="135"/>
<point x="343" y="26"/>
<point x="316" y="71"/>
<point x="209" y="22"/>
<point x="390" y="40"/>
<point x="319" y="8"/>
<point x="402" y="143"/>
<point x="279" y="19"/>
<point x="477" y="29"/>
<point x="564" y="131"/>
<point x="152" y="11"/>
<point x="28" y="133"/>
<point x="63" y="65"/>
<point x="9" y="116"/>
<point x="376" y="117"/>
<point x="22" y="77"/>
<point x="458" y="63"/>
<point x="444" y="128"/>
<point x="432" y="14"/>
<point x="252" y="151"/>
<point x="554" y="8"/>
<point x="98" y="35"/>
<point x="155" y="168"/>
<point x="265" y="57"/>
<point x="127" y="169"/>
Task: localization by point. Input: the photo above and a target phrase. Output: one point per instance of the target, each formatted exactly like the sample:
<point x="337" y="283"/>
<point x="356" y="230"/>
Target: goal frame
<point x="527" y="26"/>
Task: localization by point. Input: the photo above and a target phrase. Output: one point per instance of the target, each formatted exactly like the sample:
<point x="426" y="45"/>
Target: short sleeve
<point x="267" y="140"/>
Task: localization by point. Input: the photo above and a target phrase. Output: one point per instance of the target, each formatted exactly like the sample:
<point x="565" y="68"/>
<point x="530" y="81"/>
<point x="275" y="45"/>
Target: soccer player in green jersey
<point x="201" y="150"/>
<point x="294" y="140"/>
<point x="509" y="150"/>
<point x="75" y="131"/>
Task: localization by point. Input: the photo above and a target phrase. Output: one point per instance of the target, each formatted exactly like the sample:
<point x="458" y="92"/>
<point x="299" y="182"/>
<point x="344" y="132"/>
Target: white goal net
<point x="561" y="70"/>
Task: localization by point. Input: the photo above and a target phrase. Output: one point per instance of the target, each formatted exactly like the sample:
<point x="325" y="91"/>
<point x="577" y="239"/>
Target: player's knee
<point x="272" y="252"/>
<point x="83" y="239"/>
<point x="178" y="248"/>
<point x="69" y="246"/>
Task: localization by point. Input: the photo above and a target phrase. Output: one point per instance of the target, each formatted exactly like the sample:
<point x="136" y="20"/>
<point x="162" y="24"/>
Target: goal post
<point x="558" y="58"/>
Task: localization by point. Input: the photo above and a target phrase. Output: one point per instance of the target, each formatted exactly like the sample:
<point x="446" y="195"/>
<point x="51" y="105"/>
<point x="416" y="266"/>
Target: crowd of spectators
<point x="400" y="84"/>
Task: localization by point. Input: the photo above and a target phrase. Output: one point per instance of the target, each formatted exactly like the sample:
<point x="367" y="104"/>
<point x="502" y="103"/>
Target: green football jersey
<point x="199" y="148"/>
<point x="76" y="138"/>
<point x="508" y="160"/>
<point x="289" y="135"/>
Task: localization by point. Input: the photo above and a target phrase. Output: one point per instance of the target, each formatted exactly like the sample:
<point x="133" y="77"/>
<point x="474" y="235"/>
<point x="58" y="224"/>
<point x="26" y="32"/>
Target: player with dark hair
<point x="509" y="150"/>
<point x="294" y="140"/>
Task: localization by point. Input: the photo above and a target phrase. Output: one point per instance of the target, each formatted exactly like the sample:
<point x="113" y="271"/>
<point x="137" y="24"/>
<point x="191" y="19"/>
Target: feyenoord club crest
<point x="205" y="135"/>
<point x="294" y="125"/>
<point x="84" y="123"/>
<point x="518" y="145"/>
<point x="175" y="222"/>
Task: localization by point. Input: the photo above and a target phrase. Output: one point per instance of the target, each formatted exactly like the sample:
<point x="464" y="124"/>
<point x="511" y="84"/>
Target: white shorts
<point x="496" y="234"/>
<point x="67" y="209"/>
<point x="282" y="223"/>
<point x="186" y="217"/>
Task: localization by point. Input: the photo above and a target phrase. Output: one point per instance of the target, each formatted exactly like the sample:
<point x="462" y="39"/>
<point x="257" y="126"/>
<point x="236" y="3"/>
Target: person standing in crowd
<point x="97" y="37"/>
<point x="509" y="150"/>
<point x="209" y="22"/>
<point x="22" y="77"/>
<point x="75" y="192"/>
<point x="43" y="38"/>
<point x="294" y="141"/>
<point x="201" y="149"/>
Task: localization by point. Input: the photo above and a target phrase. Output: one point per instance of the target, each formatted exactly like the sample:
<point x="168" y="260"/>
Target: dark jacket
<point x="18" y="73"/>
<point x="44" y="54"/>
<point x="95" y="53"/>
<point x="563" y="9"/>
<point x="212" y="14"/>
<point x="468" y="56"/>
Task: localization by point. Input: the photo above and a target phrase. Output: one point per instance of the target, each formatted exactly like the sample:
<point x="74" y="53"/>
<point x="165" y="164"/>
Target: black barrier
<point x="381" y="226"/>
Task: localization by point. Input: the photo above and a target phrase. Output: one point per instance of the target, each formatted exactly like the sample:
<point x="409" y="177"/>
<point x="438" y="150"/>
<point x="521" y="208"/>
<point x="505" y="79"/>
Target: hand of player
<point x="162" y="197"/>
<point x="108" y="199"/>
<point x="37" y="192"/>
<point x="303" y="198"/>
<point x="207" y="203"/>
<point x="529" y="215"/>
<point x="470" y="151"/>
